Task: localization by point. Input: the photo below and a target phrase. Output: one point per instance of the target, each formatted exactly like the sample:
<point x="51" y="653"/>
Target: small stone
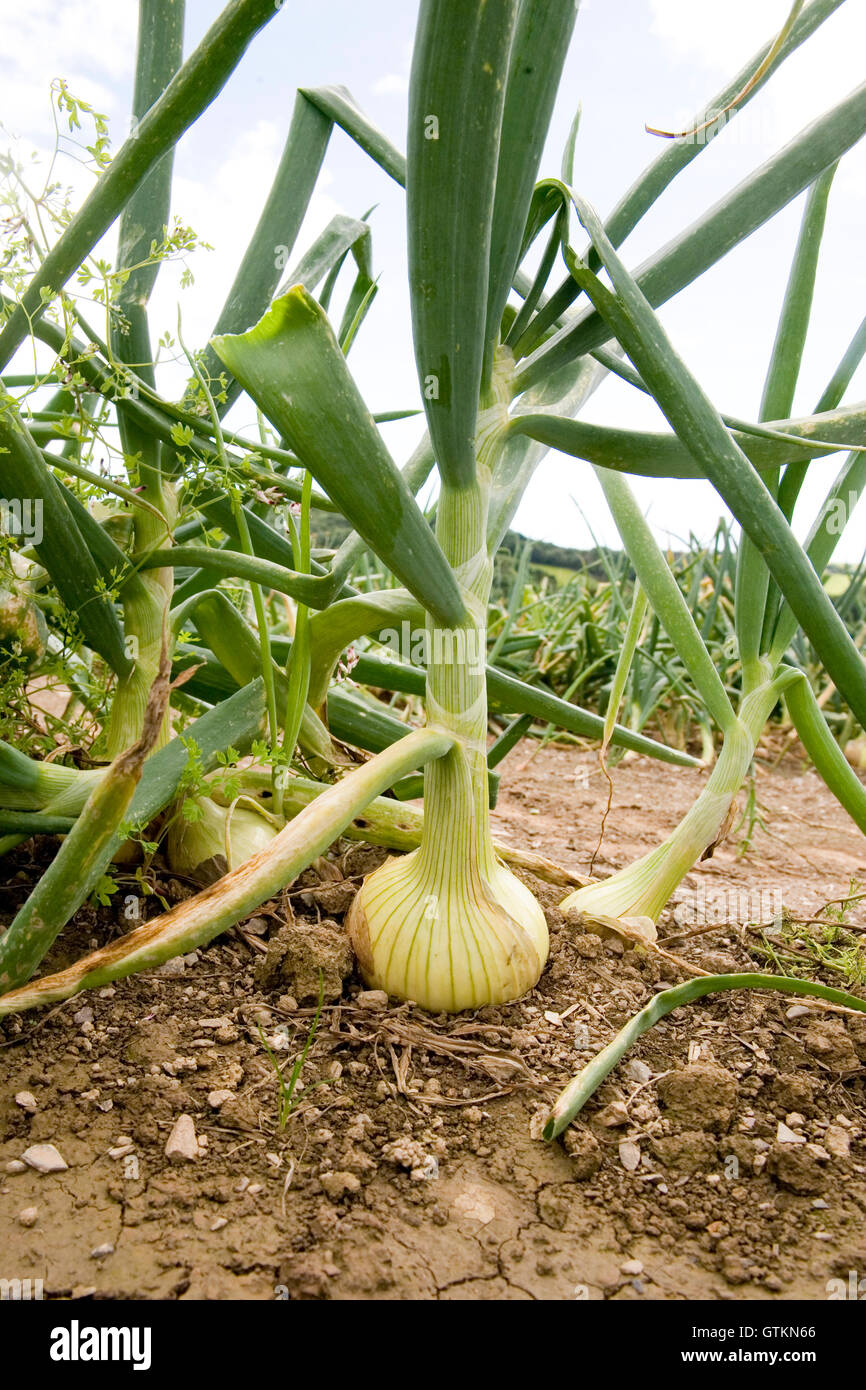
<point x="613" y="1115"/>
<point x="837" y="1141"/>
<point x="45" y="1158"/>
<point x="173" y="967"/>
<point x="182" y="1144"/>
<point x="218" y="1223"/>
<point x="631" y="1267"/>
<point x="336" y="1185"/>
<point x="216" y="1099"/>
<point x="629" y="1155"/>
<point x="121" y="1150"/>
<point x="257" y="926"/>
<point x="795" y="1120"/>
<point x="254" y="1189"/>
<point x="15" y="1165"/>
<point x="371" y="999"/>
<point x="785" y="1135"/>
<point x="101" y="1252"/>
<point x="638" y="1071"/>
<point x="27" y="1102"/>
<point x="797" y="1011"/>
<point x="84" y="1015"/>
<point x="28" y="1217"/>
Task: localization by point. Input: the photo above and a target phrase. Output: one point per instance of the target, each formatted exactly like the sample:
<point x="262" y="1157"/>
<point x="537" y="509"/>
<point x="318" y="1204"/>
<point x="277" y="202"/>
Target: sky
<point x="631" y="61"/>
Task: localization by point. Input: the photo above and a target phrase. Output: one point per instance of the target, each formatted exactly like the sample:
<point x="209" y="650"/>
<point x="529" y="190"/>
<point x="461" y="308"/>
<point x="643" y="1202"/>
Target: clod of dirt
<point x="584" y="1151"/>
<point x="182" y="1145"/>
<point x="336" y="1185"/>
<point x="702" y="1096"/>
<point x="691" y="1152"/>
<point x="795" y="1167"/>
<point x="299" y="952"/>
<point x="45" y="1158"/>
<point x="794" y="1091"/>
<point x="827" y="1040"/>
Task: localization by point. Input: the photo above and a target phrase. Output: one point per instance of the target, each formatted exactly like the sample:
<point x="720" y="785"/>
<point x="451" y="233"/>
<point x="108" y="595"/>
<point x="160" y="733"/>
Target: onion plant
<point x="192" y="564"/>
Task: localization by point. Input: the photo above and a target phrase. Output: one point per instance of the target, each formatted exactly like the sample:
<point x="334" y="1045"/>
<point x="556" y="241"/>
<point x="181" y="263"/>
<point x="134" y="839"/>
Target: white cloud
<point x="89" y="42"/>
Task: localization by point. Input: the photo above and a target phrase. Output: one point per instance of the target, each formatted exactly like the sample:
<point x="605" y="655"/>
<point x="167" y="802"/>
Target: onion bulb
<point x="449" y="940"/>
<point x="219" y="838"/>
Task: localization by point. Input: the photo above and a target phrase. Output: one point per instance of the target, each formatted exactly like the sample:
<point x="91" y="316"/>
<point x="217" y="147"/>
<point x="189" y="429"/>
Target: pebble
<point x="837" y="1141"/>
<point x="638" y="1071"/>
<point x="216" y="1099"/>
<point x="785" y="1135"/>
<point x="218" y="1223"/>
<point x="176" y="966"/>
<point x="101" y="1251"/>
<point x="629" y="1155"/>
<point x="27" y="1102"/>
<point x="633" y="1267"/>
<point x="182" y="1144"/>
<point x="121" y="1150"/>
<point x="16" y="1166"/>
<point x="28" y="1217"/>
<point x="84" y="1015"/>
<point x="45" y="1158"/>
<point x="797" y="1011"/>
<point x="371" y="999"/>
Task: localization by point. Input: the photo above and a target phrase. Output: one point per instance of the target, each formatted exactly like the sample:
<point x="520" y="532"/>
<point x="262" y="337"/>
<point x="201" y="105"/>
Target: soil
<point x="411" y="1165"/>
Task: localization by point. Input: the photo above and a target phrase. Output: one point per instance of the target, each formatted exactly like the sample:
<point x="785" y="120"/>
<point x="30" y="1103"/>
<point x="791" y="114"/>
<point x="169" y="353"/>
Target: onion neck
<point x="456" y="820"/>
<point x="644" y="888"/>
